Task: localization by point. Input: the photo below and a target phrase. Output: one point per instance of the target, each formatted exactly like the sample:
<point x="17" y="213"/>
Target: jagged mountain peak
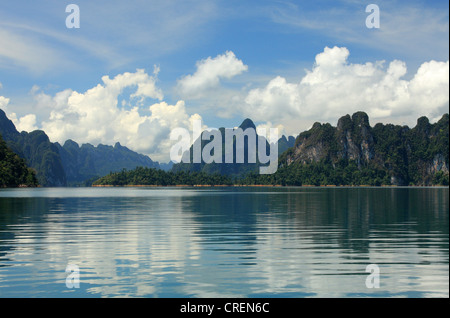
<point x="247" y="123"/>
<point x="7" y="127"/>
<point x="70" y="143"/>
<point x="360" y="118"/>
<point x="345" y="123"/>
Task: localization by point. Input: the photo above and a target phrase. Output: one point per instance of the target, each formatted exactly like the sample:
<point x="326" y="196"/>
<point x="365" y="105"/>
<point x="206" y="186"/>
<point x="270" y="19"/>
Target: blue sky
<point x="282" y="63"/>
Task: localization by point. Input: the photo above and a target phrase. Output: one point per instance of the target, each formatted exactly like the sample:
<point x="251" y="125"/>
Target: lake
<point x="251" y="242"/>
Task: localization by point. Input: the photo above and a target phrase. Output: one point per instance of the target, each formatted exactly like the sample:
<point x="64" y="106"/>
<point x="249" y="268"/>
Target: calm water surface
<point x="224" y="242"/>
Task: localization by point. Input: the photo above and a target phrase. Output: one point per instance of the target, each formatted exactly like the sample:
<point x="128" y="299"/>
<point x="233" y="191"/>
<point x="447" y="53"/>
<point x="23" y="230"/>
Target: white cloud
<point x="25" y="123"/>
<point x="209" y="73"/>
<point x="129" y="108"/>
<point x="4" y="103"/>
<point x="97" y="115"/>
<point x="264" y="130"/>
<point x="335" y="87"/>
<point x="430" y="89"/>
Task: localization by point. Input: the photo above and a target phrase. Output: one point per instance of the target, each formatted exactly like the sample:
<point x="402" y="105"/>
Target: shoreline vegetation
<point x="261" y="186"/>
<point x="286" y="176"/>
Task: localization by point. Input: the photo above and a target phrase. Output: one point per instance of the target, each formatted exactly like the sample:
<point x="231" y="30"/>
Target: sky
<point x="135" y="70"/>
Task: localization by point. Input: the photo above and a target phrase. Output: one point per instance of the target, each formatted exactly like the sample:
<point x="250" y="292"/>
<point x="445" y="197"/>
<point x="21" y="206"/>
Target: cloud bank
<point x="335" y="87"/>
<point x="113" y="111"/>
<point x="130" y="108"/>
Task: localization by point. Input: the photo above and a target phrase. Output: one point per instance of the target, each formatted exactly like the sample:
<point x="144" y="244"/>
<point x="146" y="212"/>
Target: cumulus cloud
<point x="209" y="73"/>
<point x="97" y="115"/>
<point x="3" y="102"/>
<point x="25" y="123"/>
<point x="129" y="107"/>
<point x="265" y="130"/>
<point x="335" y="87"/>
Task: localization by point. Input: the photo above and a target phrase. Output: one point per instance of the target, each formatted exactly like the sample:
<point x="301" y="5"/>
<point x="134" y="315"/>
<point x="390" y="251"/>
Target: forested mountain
<point x="70" y="164"/>
<point x="13" y="170"/>
<point x="87" y="162"/>
<point x="354" y="153"/>
<point x="37" y="150"/>
<point x="234" y="169"/>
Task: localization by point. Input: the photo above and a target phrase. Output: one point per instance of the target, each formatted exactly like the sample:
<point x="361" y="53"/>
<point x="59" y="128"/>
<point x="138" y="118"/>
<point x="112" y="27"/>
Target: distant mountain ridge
<point x="89" y="163"/>
<point x="69" y="164"/>
<point x="233" y="169"/>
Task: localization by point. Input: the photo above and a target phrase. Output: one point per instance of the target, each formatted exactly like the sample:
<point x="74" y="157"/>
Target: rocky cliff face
<point x="352" y="139"/>
<point x="355" y="138"/>
<point x="437" y="164"/>
<point x="411" y="156"/>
